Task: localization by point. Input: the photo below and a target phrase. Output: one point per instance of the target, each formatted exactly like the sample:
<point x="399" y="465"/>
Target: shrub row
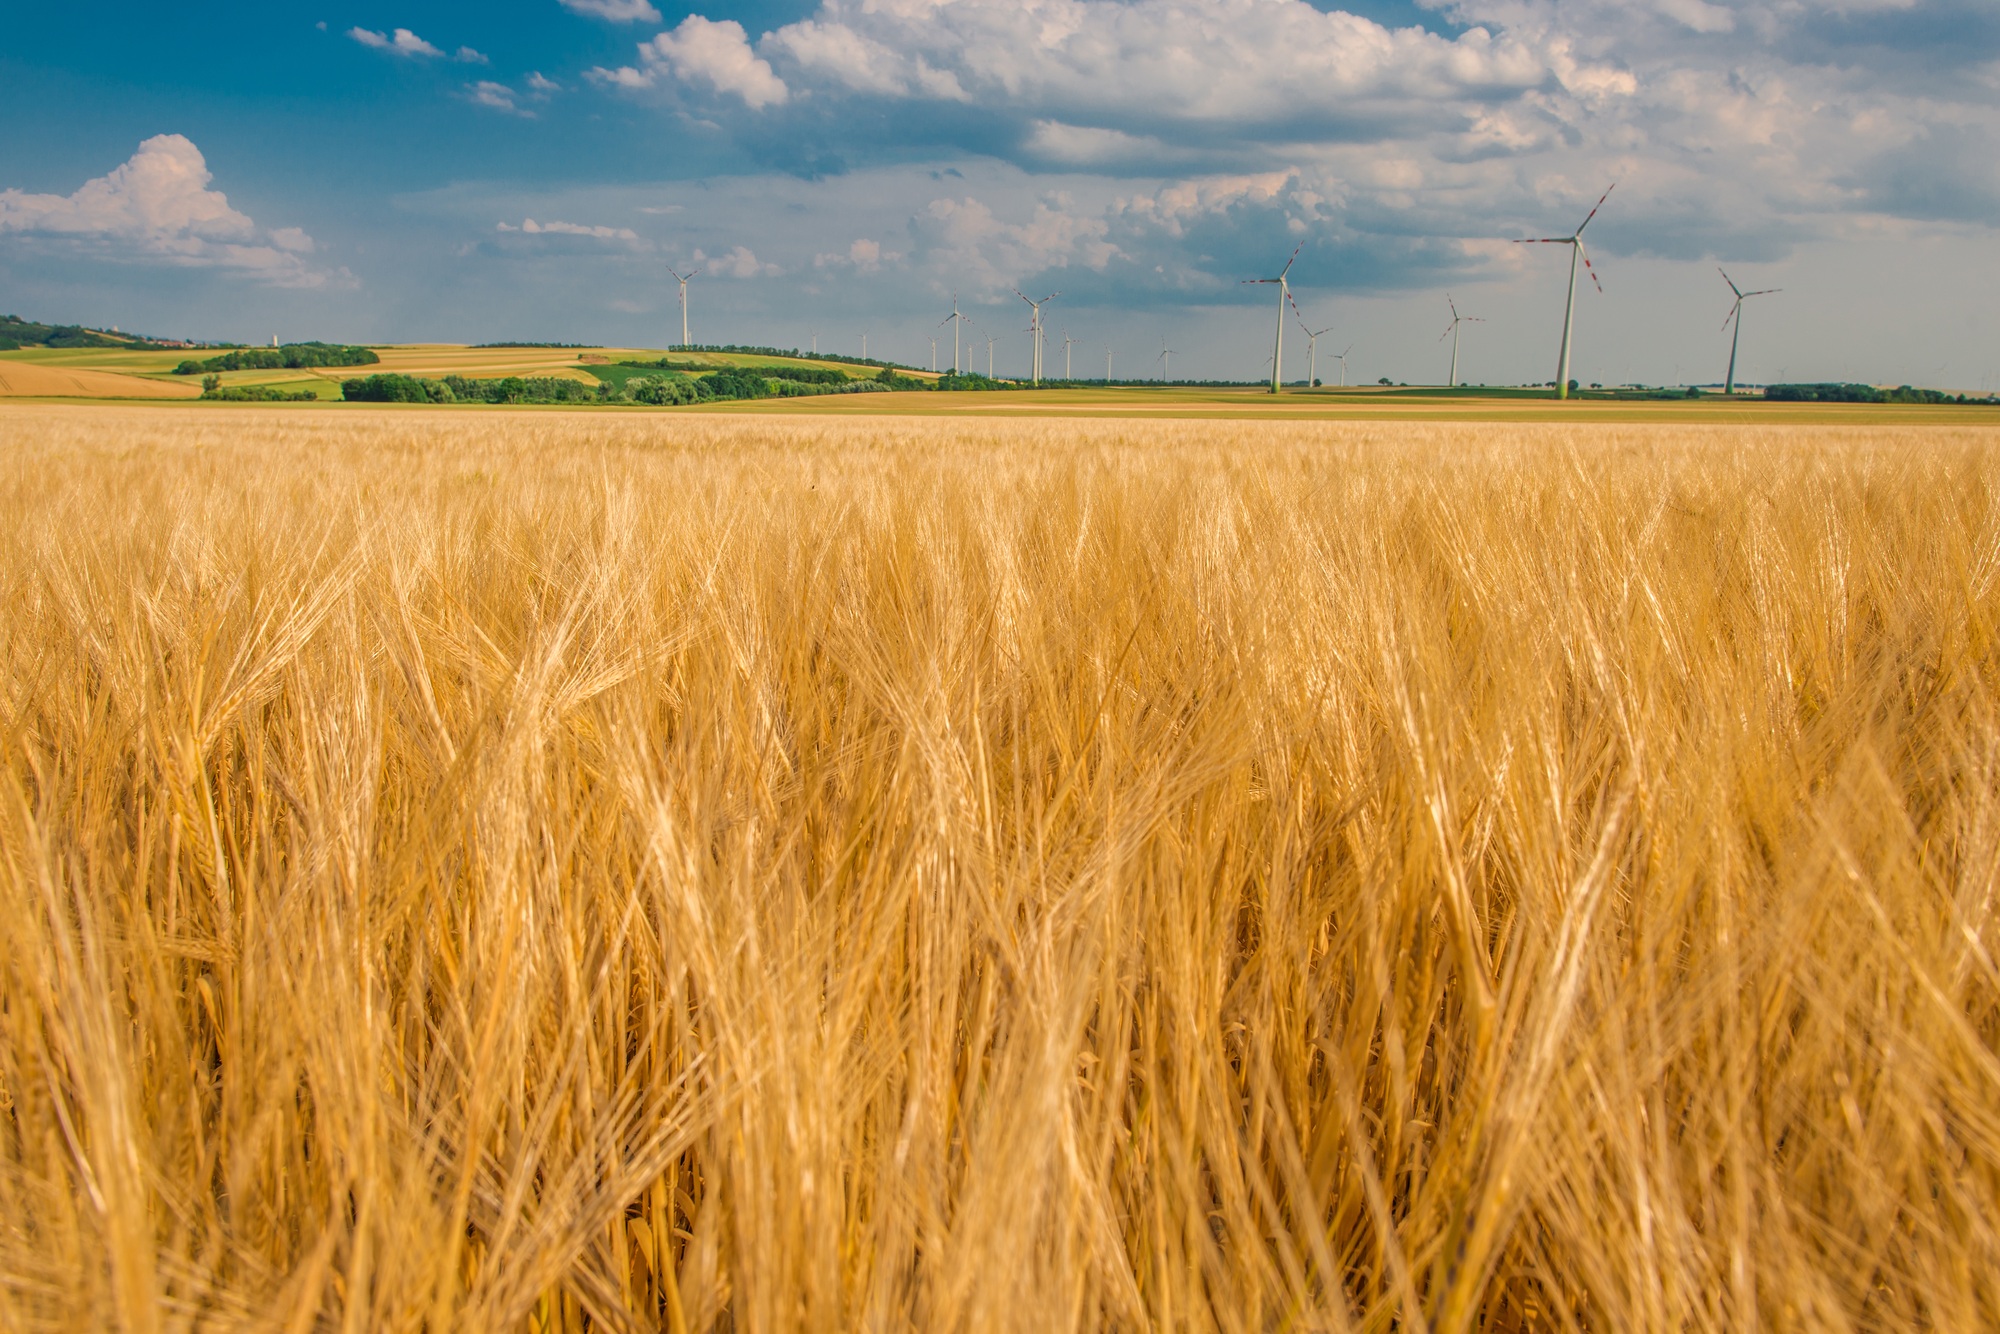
<point x="663" y="390"/>
<point x="292" y="356"/>
<point x="1860" y="393"/>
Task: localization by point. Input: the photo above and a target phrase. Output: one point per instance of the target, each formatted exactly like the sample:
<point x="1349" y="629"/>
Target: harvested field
<point x="25" y="379"/>
<point x="527" y="871"/>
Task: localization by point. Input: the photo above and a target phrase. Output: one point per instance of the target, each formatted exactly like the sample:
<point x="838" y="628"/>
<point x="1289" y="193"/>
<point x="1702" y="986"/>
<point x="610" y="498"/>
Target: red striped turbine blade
<point x="1600" y="204"/>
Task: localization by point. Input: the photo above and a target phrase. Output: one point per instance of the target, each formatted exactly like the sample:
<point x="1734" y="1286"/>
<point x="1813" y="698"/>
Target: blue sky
<point x="395" y="170"/>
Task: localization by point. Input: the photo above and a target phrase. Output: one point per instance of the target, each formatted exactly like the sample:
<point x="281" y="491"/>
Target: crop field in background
<point x="543" y="871"/>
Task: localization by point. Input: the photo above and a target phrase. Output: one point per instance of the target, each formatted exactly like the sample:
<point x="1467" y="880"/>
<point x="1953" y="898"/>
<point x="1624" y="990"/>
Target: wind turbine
<point x="1312" y="355"/>
<point x="1107" y="363"/>
<point x="1068" y="342"/>
<point x="1575" y="242"/>
<point x="954" y="320"/>
<point x="1452" y="333"/>
<point x="1284" y="299"/>
<point x="1035" y="327"/>
<point x="1342" y="359"/>
<point x="991" y="339"/>
<point x="1736" y="313"/>
<point x="695" y="273"/>
<point x="864" y="345"/>
<point x="933" y="339"/>
<point x="815" y="338"/>
<point x="1166" y="363"/>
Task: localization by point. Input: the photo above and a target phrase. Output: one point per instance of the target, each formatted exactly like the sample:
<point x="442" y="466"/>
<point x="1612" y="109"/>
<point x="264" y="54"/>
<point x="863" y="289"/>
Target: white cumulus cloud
<point x="530" y="227"/>
<point x="495" y="96"/>
<point x="737" y="263"/>
<point x="157" y="207"/>
<point x="615" y="11"/>
<point x="705" y="51"/>
<point x="402" y="42"/>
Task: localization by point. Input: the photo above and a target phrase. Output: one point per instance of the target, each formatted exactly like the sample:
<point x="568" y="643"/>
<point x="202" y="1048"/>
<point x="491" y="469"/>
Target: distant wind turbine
<point x="955" y="319"/>
<point x="1452" y="333"/>
<point x="1107" y="363"/>
<point x="991" y="339"/>
<point x="694" y="273"/>
<point x="1166" y="363"/>
<point x="1575" y="242"/>
<point x="1068" y="342"/>
<point x="1312" y="354"/>
<point x="1342" y="359"/>
<point x="1736" y="313"/>
<point x="1284" y="299"/>
<point x="933" y="339"/>
<point x="864" y="345"/>
<point x="815" y="338"/>
<point x="1035" y="327"/>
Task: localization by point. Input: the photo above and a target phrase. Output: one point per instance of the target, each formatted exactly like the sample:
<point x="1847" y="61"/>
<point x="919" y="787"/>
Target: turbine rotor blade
<point x="1731" y="281"/>
<point x="1732" y="312"/>
<point x="1293" y="260"/>
<point x="1546" y="240"/>
<point x="1587" y="268"/>
<point x="1600" y="204"/>
<point x="1768" y="291"/>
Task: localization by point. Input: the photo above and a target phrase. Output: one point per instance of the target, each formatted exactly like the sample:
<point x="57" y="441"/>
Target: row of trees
<point x="663" y="389"/>
<point x="292" y="356"/>
<point x="1860" y="393"/>
<point x="394" y="388"/>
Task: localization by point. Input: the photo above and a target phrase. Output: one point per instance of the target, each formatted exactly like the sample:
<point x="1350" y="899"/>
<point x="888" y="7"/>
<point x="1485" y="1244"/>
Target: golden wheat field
<point x="555" y="872"/>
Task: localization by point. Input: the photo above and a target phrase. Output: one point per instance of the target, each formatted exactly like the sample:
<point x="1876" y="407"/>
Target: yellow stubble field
<point x="557" y="871"/>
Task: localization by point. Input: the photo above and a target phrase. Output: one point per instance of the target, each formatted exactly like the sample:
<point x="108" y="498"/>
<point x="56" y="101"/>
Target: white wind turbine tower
<point x="1342" y="359"/>
<point x="1035" y="327"/>
<point x="1166" y="363"/>
<point x="1312" y="355"/>
<point x="1736" y="313"/>
<point x="1576" y="251"/>
<point x="1284" y="299"/>
<point x="933" y="339"/>
<point x="1452" y="333"/>
<point x="1107" y="363"/>
<point x="693" y="273"/>
<point x="815" y="338"/>
<point x="1068" y="343"/>
<point x="991" y="339"/>
<point x="954" y="320"/>
<point x="864" y="345"/>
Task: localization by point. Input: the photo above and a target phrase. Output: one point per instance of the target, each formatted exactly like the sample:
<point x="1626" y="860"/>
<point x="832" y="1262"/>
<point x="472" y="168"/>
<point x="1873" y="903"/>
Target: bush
<point x="801" y="374"/>
<point x="516" y="389"/>
<point x="258" y="393"/>
<point x="736" y="382"/>
<point x="392" y="388"/>
<point x="663" y="391"/>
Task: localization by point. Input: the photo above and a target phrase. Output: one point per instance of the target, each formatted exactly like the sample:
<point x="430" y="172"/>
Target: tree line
<point x="1860" y="393"/>
<point x="659" y="387"/>
<point x="292" y="356"/>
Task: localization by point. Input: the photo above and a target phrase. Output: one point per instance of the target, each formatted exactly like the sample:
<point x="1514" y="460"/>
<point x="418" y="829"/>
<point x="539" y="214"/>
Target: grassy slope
<point x="467" y="870"/>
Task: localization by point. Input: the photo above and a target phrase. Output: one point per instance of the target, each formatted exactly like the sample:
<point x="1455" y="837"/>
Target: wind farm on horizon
<point x="1035" y="371"/>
